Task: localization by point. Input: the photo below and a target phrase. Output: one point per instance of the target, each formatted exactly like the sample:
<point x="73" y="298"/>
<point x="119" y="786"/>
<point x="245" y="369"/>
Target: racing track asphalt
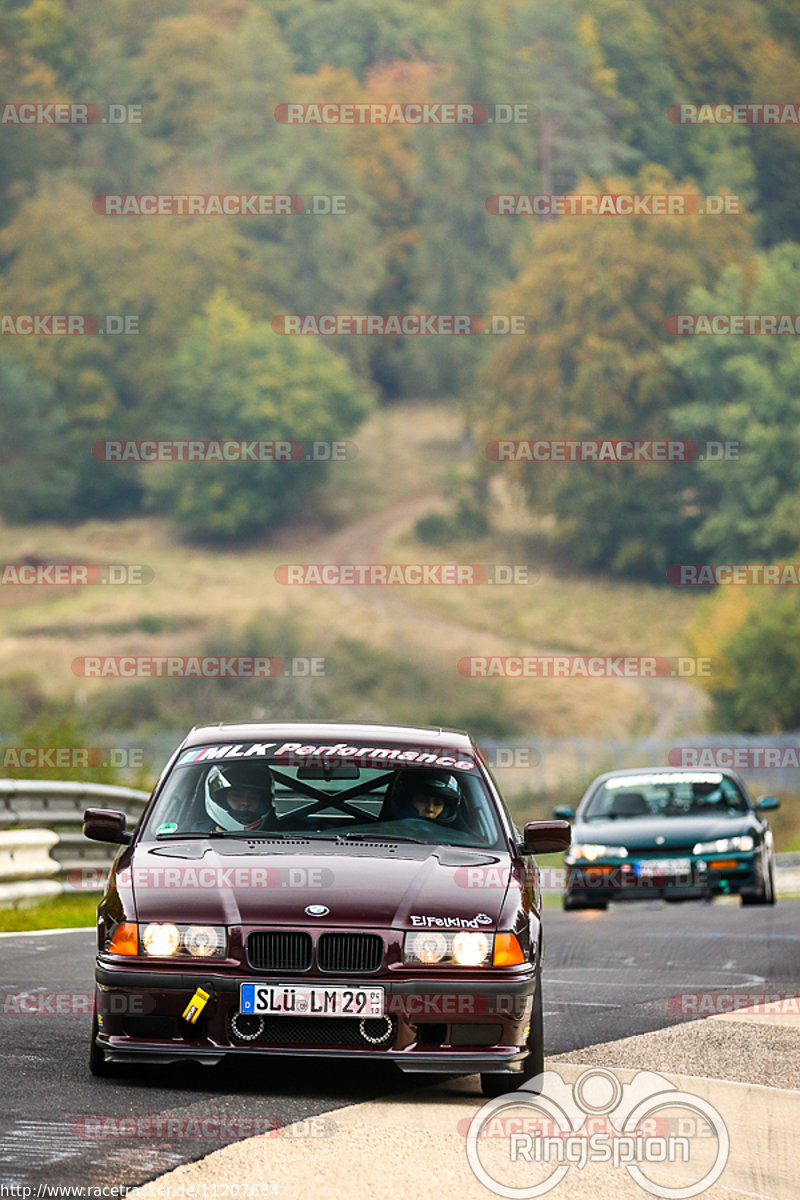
<point x="607" y="976"/>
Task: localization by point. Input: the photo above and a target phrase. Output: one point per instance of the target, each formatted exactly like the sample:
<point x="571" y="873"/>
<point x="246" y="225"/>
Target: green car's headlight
<point x="593" y="850"/>
<point x="724" y="845"/>
<point x="163" y="939"/>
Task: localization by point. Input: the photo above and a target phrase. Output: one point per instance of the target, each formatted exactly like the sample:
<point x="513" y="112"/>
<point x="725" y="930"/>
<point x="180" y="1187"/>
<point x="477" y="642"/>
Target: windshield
<point x="701" y="795"/>
<point x="245" y="791"/>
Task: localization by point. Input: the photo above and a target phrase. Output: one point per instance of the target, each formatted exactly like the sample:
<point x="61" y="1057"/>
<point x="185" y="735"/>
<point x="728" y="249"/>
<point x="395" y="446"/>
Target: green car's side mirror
<point x="767" y="803"/>
<point x="564" y="812"/>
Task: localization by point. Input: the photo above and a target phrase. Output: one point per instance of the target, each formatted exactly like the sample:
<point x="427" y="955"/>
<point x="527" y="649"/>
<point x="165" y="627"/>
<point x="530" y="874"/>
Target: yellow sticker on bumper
<point x="196" y="1005"/>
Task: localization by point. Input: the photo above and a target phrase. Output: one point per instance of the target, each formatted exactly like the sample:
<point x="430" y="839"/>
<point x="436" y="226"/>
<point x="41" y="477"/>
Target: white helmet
<point x="253" y="778"/>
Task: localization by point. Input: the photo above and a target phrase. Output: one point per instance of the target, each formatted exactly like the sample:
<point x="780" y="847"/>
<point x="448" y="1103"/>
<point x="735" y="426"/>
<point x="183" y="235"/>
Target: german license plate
<point x="290" y="1000"/>
<point x="651" y="868"/>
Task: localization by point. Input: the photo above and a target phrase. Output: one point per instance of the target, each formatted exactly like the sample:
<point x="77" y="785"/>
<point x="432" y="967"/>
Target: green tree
<point x="38" y="478"/>
<point x="746" y="390"/>
<point x="758" y="687"/>
<point x="234" y="378"/>
<point x="596" y="291"/>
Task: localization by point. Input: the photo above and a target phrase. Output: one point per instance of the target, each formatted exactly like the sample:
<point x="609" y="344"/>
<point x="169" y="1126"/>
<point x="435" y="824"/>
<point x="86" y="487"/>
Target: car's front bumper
<point x="707" y="875"/>
<point x="454" y="1026"/>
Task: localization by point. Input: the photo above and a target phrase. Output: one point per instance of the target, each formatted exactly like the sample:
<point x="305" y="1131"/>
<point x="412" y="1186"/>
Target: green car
<point x="671" y="834"/>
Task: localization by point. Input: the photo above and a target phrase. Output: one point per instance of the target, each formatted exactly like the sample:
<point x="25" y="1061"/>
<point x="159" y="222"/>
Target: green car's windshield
<point x="258" y="796"/>
<point x="706" y="794"/>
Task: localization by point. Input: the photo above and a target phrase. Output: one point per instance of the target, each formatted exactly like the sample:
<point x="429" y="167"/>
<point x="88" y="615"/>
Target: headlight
<point x="203" y="941"/>
<point x="470" y="949"/>
<point x="592" y="850"/>
<point x="724" y="845"/>
<point x="163" y="940"/>
<point x="461" y="948"/>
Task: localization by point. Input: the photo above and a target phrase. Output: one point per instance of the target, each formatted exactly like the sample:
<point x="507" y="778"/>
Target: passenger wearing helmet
<point x="239" y="796"/>
<point x="425" y="795"/>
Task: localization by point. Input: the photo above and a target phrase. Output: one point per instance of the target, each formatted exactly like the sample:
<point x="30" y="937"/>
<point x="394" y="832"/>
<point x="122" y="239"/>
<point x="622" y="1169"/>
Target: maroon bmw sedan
<point x="326" y="890"/>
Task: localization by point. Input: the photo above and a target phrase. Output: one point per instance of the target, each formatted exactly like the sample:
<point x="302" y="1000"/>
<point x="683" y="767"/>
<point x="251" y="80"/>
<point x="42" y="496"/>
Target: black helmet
<point x="440" y="784"/>
<point x="254" y="777"/>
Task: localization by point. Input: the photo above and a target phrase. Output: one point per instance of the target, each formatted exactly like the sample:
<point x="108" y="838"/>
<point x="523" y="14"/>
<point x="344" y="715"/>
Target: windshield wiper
<point x="377" y="837"/>
<point x="166" y="837"/>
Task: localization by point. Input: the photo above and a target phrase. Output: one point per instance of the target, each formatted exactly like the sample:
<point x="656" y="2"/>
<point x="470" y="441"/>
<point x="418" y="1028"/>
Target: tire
<point x="497" y="1083"/>
<point x="766" y="892"/>
<point x="97" y="1061"/>
<point x="571" y="904"/>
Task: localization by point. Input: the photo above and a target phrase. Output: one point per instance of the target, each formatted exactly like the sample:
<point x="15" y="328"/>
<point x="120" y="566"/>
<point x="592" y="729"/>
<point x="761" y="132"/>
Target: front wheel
<point x="766" y="893"/>
<point x="498" y="1083"/>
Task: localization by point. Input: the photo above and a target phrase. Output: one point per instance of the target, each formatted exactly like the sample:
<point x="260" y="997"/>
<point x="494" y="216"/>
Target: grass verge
<point x="64" y="912"/>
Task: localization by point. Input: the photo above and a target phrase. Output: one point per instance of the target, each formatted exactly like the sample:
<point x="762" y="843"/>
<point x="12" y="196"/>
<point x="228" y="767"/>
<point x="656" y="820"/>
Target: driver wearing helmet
<point x="240" y="795"/>
<point x="425" y="795"/>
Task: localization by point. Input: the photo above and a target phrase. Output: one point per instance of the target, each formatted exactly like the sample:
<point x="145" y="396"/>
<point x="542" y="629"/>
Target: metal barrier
<point x="43" y="852"/>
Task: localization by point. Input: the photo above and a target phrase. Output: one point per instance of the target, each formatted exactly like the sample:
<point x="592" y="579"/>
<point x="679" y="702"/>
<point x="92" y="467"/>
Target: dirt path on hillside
<point x="677" y="705"/>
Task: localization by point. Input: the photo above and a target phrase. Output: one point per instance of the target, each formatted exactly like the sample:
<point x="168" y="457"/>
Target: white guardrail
<point x="43" y="852"/>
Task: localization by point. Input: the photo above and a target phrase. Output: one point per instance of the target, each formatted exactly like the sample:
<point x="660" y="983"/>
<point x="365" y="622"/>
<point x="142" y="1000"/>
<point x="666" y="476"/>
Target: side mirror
<point x="547" y="837"/>
<point x="565" y="812"/>
<point x="767" y="803"/>
<point x="103" y="825"/>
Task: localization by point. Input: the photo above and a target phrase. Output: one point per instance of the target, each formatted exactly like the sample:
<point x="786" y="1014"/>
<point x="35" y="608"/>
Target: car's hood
<point x="222" y="884"/>
<point x="660" y="833"/>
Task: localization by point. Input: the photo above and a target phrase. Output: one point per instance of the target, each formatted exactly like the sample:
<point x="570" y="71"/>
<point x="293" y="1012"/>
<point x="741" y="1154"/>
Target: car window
<point x="360" y="801"/>
<point x="665" y="796"/>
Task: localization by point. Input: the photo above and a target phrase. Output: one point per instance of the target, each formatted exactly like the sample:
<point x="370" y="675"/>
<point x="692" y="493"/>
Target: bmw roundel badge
<point x="317" y="910"/>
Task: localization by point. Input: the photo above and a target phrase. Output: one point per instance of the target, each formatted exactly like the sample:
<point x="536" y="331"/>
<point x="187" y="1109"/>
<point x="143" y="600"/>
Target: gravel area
<point x="740" y="1051"/>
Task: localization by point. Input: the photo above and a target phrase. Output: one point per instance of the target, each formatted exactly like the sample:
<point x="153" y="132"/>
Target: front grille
<point x="334" y="1032"/>
<point x="350" y="953"/>
<point x="278" y="951"/>
<point x="663" y="852"/>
